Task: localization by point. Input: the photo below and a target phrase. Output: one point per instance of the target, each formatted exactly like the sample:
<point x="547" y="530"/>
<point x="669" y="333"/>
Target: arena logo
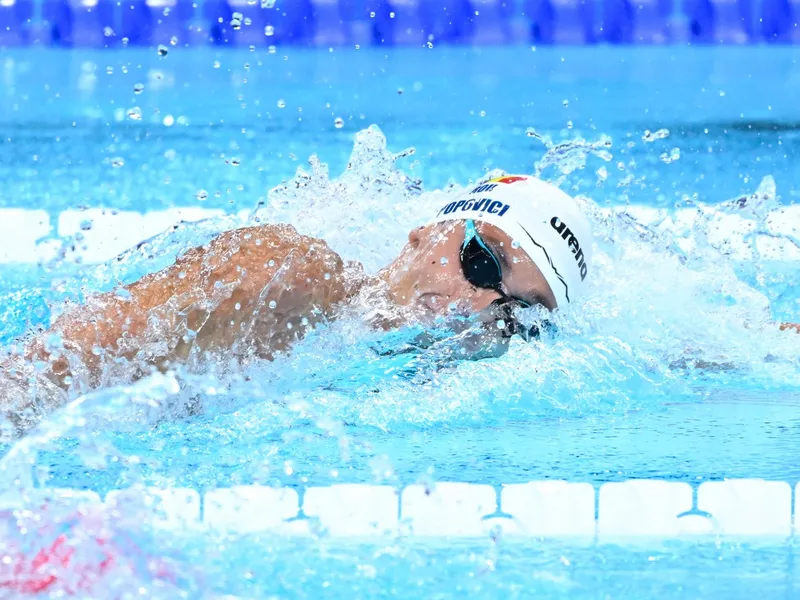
<point x="487" y="205"/>
<point x="572" y="241"/>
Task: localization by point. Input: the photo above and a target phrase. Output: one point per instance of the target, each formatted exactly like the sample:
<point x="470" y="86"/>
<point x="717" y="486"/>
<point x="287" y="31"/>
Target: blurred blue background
<point x="328" y="23"/>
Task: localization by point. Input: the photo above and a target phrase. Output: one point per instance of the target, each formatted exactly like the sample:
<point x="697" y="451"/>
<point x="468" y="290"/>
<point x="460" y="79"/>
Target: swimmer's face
<point x="427" y="276"/>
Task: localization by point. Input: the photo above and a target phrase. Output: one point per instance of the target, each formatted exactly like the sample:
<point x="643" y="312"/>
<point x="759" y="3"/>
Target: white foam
<point x="106" y="233"/>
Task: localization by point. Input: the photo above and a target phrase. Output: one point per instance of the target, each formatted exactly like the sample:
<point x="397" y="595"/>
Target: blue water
<point x="616" y="395"/>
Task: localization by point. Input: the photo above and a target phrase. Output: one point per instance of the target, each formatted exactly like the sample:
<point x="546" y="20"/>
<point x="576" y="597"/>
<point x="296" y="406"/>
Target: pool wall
<point x="329" y="23"/>
<point x="548" y="509"/>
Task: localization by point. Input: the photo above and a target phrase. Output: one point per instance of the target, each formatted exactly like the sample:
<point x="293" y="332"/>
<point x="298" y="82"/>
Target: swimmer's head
<point x="538" y="243"/>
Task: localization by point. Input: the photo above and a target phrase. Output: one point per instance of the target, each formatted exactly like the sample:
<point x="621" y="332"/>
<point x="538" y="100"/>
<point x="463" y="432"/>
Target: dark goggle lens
<point x="480" y="266"/>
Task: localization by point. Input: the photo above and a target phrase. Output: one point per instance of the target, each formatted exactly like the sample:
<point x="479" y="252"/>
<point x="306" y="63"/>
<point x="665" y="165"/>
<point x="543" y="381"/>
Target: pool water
<point x="672" y="369"/>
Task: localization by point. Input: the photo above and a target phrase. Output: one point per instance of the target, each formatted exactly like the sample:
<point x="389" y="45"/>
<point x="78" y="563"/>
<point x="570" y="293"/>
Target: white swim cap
<point x="545" y="221"/>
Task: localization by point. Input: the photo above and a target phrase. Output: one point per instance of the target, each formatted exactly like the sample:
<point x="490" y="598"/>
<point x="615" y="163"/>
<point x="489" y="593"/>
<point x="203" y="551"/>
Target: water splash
<point x="571" y="155"/>
<point x="679" y="303"/>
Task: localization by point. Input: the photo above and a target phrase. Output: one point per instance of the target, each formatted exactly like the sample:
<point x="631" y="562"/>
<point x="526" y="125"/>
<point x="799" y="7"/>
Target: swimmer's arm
<point x="216" y="297"/>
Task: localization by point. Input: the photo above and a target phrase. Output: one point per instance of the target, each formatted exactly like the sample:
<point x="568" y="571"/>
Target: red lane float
<point x="44" y="570"/>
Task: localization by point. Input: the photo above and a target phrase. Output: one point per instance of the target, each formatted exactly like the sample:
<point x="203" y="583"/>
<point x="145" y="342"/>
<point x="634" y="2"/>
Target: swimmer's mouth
<point x="435" y="305"/>
<point x="432" y="305"/>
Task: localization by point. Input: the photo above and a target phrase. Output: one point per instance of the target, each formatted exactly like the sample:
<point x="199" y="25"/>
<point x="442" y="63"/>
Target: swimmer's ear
<point x="414" y="237"/>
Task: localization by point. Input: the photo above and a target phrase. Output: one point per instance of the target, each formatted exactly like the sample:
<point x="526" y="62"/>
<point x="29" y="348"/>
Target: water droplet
<point x="430" y="44"/>
<point x="135" y="113"/>
<point x="169" y="121"/>
<point x="85" y="225"/>
<point x="237" y="306"/>
<point x="236" y="21"/>
<point x="565" y="103"/>
<point x="501" y="324"/>
<point x="531" y="132"/>
<point x="162" y="50"/>
<point x="399" y="91"/>
<point x="110" y="70"/>
<point x="173" y="40"/>
<point x="117" y="162"/>
<point x="653" y="136"/>
<point x="248" y="21"/>
<point x="514" y="244"/>
<point x="281" y="103"/>
<point x="443" y="261"/>
<point x="272" y="304"/>
<point x="372" y="14"/>
<point x="182" y="275"/>
<point x="338" y="123"/>
<point x="271" y="263"/>
<point x="201" y="195"/>
<point x="483" y="113"/>
<point x="271" y="50"/>
<point x="602" y="173"/>
<point x="288" y="325"/>
<point x="327" y="276"/>
<point x="108" y="32"/>
<point x="138" y="88"/>
<point x="216" y="64"/>
<point x="269" y="30"/>
<point x="267" y="3"/>
<point x="304" y="321"/>
<point x="721" y="93"/>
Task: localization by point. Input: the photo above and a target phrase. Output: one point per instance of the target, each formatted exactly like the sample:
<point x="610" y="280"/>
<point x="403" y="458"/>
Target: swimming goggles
<point x="482" y="269"/>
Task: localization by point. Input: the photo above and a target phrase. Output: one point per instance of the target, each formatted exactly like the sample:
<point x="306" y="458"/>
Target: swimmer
<point x="508" y="243"/>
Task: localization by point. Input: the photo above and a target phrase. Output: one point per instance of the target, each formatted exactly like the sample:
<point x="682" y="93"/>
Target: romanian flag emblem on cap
<point x="508" y="179"/>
